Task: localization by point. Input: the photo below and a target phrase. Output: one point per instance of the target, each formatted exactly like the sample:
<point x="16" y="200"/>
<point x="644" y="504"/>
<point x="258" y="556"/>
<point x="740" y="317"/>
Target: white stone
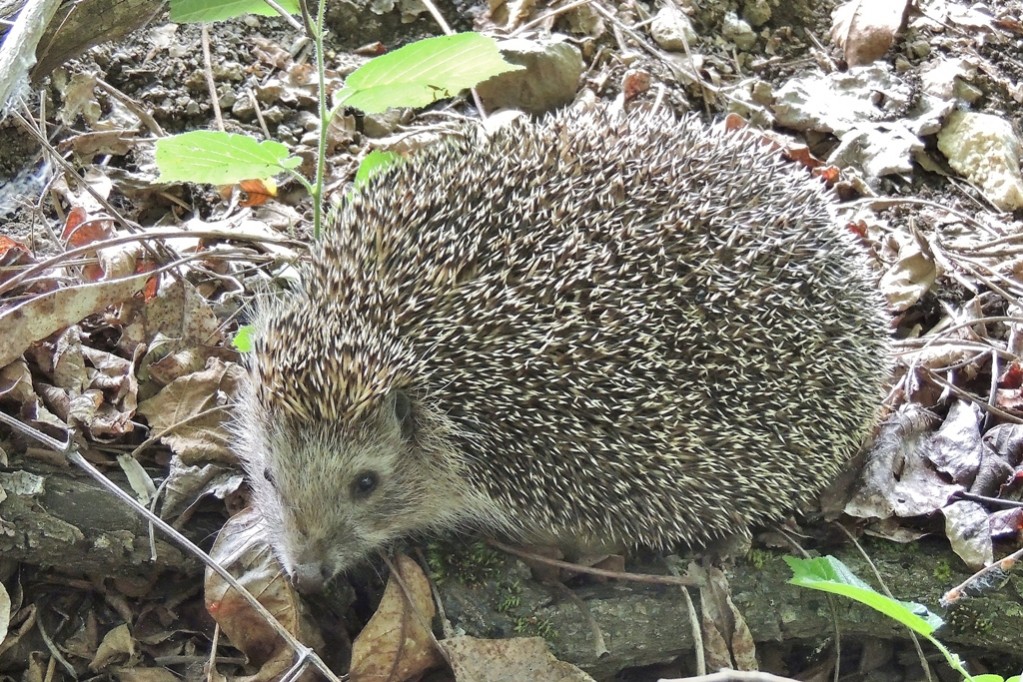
<point x="985" y="150"/>
<point x="672" y="30"/>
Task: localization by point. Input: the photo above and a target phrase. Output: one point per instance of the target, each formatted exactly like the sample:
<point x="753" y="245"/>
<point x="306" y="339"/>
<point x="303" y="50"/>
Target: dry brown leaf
<point x="865" y="29"/>
<point x="397" y="643"/>
<point x="969" y="533"/>
<point x="12" y="253"/>
<point x="141" y="674"/>
<point x="727" y="640"/>
<point x="42" y="315"/>
<point x="912" y="276"/>
<point x="117" y="647"/>
<point x="5" y="612"/>
<point x="508" y="660"/>
<point x="241" y="548"/>
<point x="181" y="313"/>
<point x="193" y="411"/>
<point x="16" y="381"/>
<point x="897" y="480"/>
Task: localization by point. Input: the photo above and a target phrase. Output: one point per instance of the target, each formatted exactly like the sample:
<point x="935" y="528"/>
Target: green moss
<point x="509" y="598"/>
<point x="472" y="565"/>
<point x="535" y="627"/>
<point x="942" y="571"/>
<point x="757" y="558"/>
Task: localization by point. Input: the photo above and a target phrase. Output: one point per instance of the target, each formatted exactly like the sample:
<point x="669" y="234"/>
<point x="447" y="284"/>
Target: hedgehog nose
<point x="310" y="578"/>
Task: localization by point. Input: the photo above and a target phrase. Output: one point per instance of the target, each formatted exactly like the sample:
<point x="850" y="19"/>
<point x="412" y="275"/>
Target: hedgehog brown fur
<point x="595" y="329"/>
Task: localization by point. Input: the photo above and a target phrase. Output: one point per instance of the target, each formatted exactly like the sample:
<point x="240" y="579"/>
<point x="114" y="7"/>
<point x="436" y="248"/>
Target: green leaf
<point x="220" y="158"/>
<point x="991" y="677"/>
<point x="828" y="574"/>
<point x="243" y="338"/>
<point x="422" y="73"/>
<point x="192" y="11"/>
<point x="373" y="163"/>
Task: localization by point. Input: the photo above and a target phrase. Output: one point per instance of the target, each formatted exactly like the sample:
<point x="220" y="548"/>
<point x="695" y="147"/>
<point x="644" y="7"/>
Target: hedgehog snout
<point x="309" y="578"/>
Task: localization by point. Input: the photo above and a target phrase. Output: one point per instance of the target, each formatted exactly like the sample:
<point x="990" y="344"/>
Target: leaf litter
<point x="139" y="364"/>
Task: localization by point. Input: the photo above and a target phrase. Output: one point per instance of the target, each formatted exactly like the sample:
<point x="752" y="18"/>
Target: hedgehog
<point x="599" y="329"/>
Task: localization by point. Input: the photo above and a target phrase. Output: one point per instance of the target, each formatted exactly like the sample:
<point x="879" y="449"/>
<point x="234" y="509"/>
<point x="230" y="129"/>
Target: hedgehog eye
<point x="364" y="483"/>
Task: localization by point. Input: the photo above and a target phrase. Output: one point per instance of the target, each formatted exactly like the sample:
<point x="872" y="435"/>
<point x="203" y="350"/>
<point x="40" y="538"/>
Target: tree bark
<point x="647" y="624"/>
<point x="59" y="518"/>
<point x="80" y="24"/>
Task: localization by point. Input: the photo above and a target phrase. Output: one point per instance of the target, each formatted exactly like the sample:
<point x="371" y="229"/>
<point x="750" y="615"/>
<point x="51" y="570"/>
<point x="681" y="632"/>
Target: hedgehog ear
<point x="403" y="411"/>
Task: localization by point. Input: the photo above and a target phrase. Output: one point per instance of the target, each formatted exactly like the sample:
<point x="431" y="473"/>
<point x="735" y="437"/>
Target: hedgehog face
<point x="332" y="494"/>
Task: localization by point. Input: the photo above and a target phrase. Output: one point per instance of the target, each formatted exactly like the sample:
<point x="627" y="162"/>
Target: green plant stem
<point x="321" y="152"/>
<point x="950" y="657"/>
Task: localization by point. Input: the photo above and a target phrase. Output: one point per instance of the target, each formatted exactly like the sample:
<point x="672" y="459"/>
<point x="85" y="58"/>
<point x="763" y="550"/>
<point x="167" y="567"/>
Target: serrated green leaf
<point x="217" y="158"/>
<point x="422" y="73"/>
<point x="242" y="340"/>
<point x="828" y="574"/>
<point x="373" y="163"/>
<point x="194" y="11"/>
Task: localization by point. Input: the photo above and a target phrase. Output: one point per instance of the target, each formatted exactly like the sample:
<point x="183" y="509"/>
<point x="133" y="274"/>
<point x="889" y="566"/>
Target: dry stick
<point x="971" y="264"/>
<point x="600" y="649"/>
<point x="410" y="608"/>
<point x="55" y="654"/>
<point x="985" y="500"/>
<point x="960" y="393"/>
<point x="152" y="439"/>
<point x="132" y="106"/>
<point x="960" y="325"/>
<point x="285" y="14"/>
<point x="446" y="28"/>
<point x="259" y="113"/>
<point x="20" y="278"/>
<point x="641" y="41"/>
<point x="696" y="71"/>
<point x="445" y="624"/>
<point x="604" y="573"/>
<point x="829" y="598"/>
<point x="888" y="593"/>
<point x="70" y="450"/>
<point x="694" y="624"/>
<point x="998" y="572"/>
<point x="886" y="202"/>
<point x="211" y="85"/>
<point x="71" y="171"/>
<point x="547" y="15"/>
<point x="437" y="16"/>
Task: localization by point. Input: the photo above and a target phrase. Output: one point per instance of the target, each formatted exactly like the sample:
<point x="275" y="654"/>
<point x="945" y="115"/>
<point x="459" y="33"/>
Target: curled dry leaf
<point x="865" y="29"/>
<point x="912" y="275"/>
<point x="117" y="647"/>
<point x="241" y="548"/>
<point x="508" y="660"/>
<point x="397" y="643"/>
<point x="727" y="640"/>
<point x="896" y="479"/>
